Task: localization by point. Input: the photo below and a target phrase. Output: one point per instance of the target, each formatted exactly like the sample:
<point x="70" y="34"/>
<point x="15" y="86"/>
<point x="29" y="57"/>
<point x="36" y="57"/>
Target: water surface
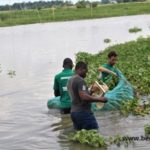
<point x="36" y="53"/>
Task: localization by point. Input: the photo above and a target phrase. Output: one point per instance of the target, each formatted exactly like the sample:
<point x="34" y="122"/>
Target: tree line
<point x="58" y="3"/>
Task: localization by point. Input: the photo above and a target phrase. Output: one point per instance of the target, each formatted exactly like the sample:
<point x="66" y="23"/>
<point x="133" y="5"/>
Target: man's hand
<point x="113" y="73"/>
<point x="103" y="99"/>
<point x="116" y="74"/>
<point x="103" y="69"/>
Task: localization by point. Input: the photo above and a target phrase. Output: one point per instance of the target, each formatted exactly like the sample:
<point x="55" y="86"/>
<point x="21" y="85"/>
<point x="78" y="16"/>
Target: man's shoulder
<point x="109" y="67"/>
<point x="62" y="73"/>
<point x="105" y="65"/>
<point x="70" y="72"/>
<point x="58" y="75"/>
<point x="76" y="79"/>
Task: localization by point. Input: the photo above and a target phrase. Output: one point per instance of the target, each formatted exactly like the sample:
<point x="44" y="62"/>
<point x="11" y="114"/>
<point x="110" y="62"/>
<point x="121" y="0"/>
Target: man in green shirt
<point x="108" y="69"/>
<point x="60" y="85"/>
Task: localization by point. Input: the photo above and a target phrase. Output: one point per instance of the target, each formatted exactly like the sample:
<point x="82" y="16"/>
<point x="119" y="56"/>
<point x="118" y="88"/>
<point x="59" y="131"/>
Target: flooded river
<point x="36" y="52"/>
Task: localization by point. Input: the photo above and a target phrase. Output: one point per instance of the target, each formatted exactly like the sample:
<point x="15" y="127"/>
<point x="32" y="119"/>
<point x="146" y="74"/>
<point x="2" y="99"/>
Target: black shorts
<point x="84" y="120"/>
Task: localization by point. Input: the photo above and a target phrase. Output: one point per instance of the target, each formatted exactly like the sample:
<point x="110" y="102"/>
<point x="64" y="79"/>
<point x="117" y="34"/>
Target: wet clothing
<point x="106" y="76"/>
<point x="76" y="84"/>
<point x="81" y="114"/>
<point x="84" y="120"/>
<point x="60" y="84"/>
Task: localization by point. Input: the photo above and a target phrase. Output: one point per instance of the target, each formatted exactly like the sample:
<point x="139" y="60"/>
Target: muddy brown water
<point x="36" y="52"/>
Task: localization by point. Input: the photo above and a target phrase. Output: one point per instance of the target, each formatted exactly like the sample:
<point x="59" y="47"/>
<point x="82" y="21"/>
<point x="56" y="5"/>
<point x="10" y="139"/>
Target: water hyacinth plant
<point x="147" y="129"/>
<point x="135" y="108"/>
<point x="134" y="61"/>
<point x="94" y="139"/>
<point x="89" y="137"/>
<point x="0" y="68"/>
<point x="135" y="30"/>
<point x="11" y="73"/>
<point x="107" y="40"/>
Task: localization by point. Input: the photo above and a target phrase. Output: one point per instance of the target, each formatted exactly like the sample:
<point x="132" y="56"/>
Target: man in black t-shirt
<point x="81" y="113"/>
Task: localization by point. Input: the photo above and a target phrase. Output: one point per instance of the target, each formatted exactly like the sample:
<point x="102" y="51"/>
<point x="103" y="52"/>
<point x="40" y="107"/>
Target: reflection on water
<point x="36" y="52"/>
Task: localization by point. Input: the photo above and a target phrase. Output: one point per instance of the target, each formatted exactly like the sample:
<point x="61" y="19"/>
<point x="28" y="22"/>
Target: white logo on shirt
<point x="83" y="88"/>
<point x="65" y="89"/>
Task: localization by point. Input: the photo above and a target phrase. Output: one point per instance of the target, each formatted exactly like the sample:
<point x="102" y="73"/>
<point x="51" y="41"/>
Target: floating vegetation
<point x="147" y="129"/>
<point x="11" y="73"/>
<point x="107" y="40"/>
<point x="135" y="30"/>
<point x="135" y="108"/>
<point x="118" y="140"/>
<point x="89" y="137"/>
<point x="134" y="61"/>
<point x="0" y="68"/>
<point x="94" y="139"/>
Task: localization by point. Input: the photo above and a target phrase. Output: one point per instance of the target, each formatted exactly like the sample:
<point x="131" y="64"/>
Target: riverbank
<point x="12" y="18"/>
<point x="134" y="61"/>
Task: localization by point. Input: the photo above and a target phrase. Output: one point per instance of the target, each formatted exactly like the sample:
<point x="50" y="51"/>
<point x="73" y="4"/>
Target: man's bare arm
<point x="85" y="96"/>
<point x="102" y="69"/>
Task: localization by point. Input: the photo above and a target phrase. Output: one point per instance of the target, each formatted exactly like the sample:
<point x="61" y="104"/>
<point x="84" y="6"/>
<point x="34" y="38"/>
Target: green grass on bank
<point x="11" y="18"/>
<point x="133" y="61"/>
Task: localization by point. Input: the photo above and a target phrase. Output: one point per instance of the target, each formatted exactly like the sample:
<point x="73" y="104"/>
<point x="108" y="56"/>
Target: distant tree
<point x="105" y="1"/>
<point x="120" y="1"/>
<point x="35" y="5"/>
<point x="126" y="1"/>
<point x="6" y="7"/>
<point x="81" y="4"/>
<point x="68" y="3"/>
<point x="139" y="0"/>
<point x="95" y="4"/>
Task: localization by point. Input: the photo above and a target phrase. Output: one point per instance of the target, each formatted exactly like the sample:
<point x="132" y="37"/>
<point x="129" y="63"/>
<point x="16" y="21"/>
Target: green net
<point x="121" y="92"/>
<point x="57" y="103"/>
